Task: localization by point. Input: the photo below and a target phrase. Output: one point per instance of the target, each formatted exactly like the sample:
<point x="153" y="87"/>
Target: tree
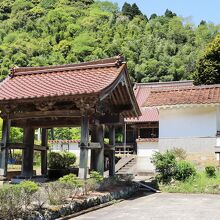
<point x="169" y="14"/>
<point x="208" y="68"/>
<point x="127" y="10"/>
<point x="154" y="15"/>
<point x="135" y="10"/>
<point x="131" y="10"/>
<point x="202" y="22"/>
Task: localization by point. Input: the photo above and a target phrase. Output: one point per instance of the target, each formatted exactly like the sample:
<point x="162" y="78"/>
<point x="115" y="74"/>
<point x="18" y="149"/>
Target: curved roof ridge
<point x="108" y="62"/>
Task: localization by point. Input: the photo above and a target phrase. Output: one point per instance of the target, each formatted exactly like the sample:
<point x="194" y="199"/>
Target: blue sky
<point x="197" y="10"/>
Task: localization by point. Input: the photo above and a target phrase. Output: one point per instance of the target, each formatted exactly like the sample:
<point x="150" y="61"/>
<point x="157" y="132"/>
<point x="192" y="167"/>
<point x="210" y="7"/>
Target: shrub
<point x="69" y="159"/>
<point x="28" y="188"/>
<point x="96" y="175"/>
<point x="179" y="153"/>
<point x="55" y="160"/>
<point x="72" y="183"/>
<point x="71" y="179"/>
<point x="90" y="185"/>
<point x="57" y="192"/>
<point x="210" y="171"/>
<point x="184" y="170"/>
<point x="11" y="202"/>
<point x="62" y="160"/>
<point x="165" y="164"/>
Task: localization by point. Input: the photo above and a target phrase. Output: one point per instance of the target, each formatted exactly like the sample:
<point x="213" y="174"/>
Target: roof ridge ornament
<point x="119" y="60"/>
<point x="12" y="71"/>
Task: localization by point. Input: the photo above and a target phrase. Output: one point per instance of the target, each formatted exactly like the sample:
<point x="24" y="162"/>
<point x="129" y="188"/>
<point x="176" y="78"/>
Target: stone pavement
<point x="161" y="206"/>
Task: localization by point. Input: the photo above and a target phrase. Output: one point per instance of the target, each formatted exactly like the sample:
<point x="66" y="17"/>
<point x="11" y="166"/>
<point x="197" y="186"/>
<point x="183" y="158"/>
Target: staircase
<point x="126" y="165"/>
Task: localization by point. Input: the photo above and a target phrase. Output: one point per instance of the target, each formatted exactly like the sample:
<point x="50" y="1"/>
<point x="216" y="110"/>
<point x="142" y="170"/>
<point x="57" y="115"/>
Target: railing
<point x="121" y="149"/>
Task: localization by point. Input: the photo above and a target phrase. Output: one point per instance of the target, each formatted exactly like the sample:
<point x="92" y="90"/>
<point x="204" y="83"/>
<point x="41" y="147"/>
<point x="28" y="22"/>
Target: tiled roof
<point x="182" y="96"/>
<point x="148" y="115"/>
<point x="147" y="140"/>
<point x="52" y="81"/>
<point x="143" y="90"/>
<point x="63" y="141"/>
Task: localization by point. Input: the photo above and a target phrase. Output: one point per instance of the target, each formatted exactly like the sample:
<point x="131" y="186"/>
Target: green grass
<point x="197" y="184"/>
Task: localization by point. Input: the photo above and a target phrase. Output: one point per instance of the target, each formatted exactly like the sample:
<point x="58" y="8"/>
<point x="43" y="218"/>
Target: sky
<point x="196" y="10"/>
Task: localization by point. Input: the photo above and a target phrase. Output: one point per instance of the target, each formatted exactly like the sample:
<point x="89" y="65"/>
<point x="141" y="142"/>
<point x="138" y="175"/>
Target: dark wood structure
<point x="92" y="95"/>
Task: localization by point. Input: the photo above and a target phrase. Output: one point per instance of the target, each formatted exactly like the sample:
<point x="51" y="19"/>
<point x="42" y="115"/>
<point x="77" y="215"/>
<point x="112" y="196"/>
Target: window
<point x="149" y="132"/>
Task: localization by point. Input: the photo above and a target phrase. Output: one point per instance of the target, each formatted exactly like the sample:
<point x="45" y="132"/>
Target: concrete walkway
<point x="161" y="206"/>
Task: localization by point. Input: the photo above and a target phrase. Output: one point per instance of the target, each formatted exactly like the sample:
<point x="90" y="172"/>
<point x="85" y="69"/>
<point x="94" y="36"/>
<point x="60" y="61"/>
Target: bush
<point x="210" y="171"/>
<point x="61" y="160"/>
<point x="57" y="192"/>
<point x="165" y="164"/>
<point x="184" y="170"/>
<point x="55" y="160"/>
<point x="11" y="202"/>
<point x="28" y="188"/>
<point x="69" y="159"/>
<point x="71" y="179"/>
<point x="179" y="153"/>
<point x="96" y="175"/>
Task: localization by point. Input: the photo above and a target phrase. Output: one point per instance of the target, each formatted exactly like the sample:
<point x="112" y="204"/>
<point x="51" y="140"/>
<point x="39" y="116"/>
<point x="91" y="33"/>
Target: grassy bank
<point x="200" y="183"/>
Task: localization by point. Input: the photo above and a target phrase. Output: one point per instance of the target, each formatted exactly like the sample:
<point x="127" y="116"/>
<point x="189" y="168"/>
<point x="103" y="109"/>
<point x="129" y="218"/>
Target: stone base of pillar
<point x="83" y="165"/>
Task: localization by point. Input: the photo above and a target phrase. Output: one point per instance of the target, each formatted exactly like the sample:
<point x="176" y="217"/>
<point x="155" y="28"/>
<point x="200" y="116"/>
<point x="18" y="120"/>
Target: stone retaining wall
<point x="55" y="212"/>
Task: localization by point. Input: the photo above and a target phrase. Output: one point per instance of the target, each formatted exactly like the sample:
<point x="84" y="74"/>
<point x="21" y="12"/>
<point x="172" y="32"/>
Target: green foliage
<point x="184" y="170"/>
<point x="69" y="159"/>
<point x="11" y="203"/>
<point x="72" y="180"/>
<point x="66" y="134"/>
<point x="131" y="10"/>
<point x="210" y="171"/>
<point x="61" y="160"/>
<point x="55" y="160"/>
<point x="200" y="183"/>
<point x="50" y="32"/>
<point x="208" y="68"/>
<point x="96" y="175"/>
<point x="165" y="164"/>
<point x="15" y="199"/>
<point x="29" y="187"/>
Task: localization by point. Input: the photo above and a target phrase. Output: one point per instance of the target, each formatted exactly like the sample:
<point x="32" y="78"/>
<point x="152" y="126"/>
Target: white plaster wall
<point x="188" y="122"/>
<point x="190" y="145"/>
<point x="145" y="150"/>
<point x="218" y="118"/>
<point x="73" y="148"/>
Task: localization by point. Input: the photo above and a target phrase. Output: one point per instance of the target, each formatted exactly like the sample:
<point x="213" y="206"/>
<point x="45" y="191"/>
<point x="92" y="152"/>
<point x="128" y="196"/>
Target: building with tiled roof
<point x="184" y="116"/>
<point x="87" y="95"/>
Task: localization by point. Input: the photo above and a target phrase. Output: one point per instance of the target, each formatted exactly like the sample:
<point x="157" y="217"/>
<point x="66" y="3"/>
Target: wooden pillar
<point x="100" y="152"/>
<point x="93" y="151"/>
<point x="44" y="143"/>
<point x="83" y="165"/>
<point x="112" y="152"/>
<point x="4" y="148"/>
<point x="28" y="153"/>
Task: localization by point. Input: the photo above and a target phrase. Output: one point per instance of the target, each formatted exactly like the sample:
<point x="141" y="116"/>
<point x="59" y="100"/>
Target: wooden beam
<point x="111" y="119"/>
<point x="48" y="122"/>
<point x="20" y="146"/>
<point x="43" y="114"/>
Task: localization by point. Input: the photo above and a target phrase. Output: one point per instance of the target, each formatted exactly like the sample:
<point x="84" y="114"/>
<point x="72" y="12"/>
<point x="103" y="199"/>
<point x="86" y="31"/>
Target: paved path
<point x="161" y="206"/>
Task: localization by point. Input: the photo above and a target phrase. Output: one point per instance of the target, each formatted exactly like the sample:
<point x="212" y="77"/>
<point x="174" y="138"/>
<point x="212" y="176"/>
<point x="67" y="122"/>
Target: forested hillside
<point x="45" y="32"/>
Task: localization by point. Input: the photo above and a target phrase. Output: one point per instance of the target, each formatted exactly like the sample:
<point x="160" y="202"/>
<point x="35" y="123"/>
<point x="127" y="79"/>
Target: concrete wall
<point x="188" y="122"/>
<point x="218" y="118"/>
<point x="145" y="150"/>
<point x="189" y="144"/>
